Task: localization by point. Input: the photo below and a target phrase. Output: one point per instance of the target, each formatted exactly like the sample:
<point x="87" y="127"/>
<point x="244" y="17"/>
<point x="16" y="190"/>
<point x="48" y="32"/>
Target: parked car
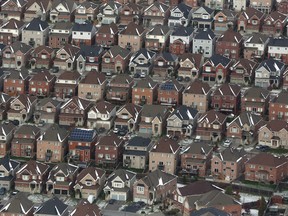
<point x="2" y="191"/>
<point x="54" y="70"/>
<point x="262" y="148"/>
<point x="116" y="130"/>
<point x="14" y="192"/>
<point x="137" y="75"/>
<point x="111" y="201"/>
<point x="227" y="143"/>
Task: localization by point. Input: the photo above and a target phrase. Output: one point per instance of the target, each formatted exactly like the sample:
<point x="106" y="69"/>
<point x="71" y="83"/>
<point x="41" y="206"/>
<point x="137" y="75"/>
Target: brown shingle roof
<point x="275" y="15"/>
<point x="94" y="77"/>
<point x="231" y="36"/>
<point x="103" y="107"/>
<point x="110" y="140"/>
<point x="212" y="115"/>
<point x="93" y="171"/>
<point x="43" y="4"/>
<point x="228" y="89"/>
<point x="196" y="58"/>
<point x="133" y="29"/>
<point x="69" y="75"/>
<point x="196" y="188"/>
<point x="85" y="208"/>
<point x="12" y="24"/>
<point x="198" y="87"/>
<point x="256" y="92"/>
<point x="43" y="76"/>
<point x="166" y="145"/>
<point x="34" y="168"/>
<point x="282" y="98"/>
<point x="108" y="29"/>
<point x="250" y="12"/>
<point x="267" y="159"/>
<point x="43" y="47"/>
<point x="276" y="125"/>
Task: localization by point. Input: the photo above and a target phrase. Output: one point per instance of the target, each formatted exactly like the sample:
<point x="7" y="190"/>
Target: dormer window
<point x="25" y="177"/>
<point x="91" y="59"/>
<point x="117" y="184"/>
<point x="220" y="19"/>
<point x="60" y="178"/>
<point x="141" y="60"/>
<point x="2" y="173"/>
<point x="63" y="56"/>
<point x="268" y="22"/>
<point x="88" y="182"/>
<point x="17" y="107"/>
<point x="107" y="60"/>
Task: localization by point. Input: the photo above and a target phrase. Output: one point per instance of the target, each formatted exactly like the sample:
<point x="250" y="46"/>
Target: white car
<point x="227" y="143"/>
<point x="116" y="130"/>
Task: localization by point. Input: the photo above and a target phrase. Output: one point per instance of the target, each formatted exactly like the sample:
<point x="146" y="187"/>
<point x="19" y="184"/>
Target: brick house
<point x="190" y="65"/>
<point x="23" y="143"/>
<point x="74" y="112"/>
<point x="155" y="186"/>
<point x="8" y="169"/>
<point x="211" y="125"/>
<point x="274" y="134"/>
<point x="31" y="177"/>
<point x="6" y="135"/>
<point x="42" y="84"/>
<point x="109" y="151"/>
<point x="66" y="57"/>
<point x="86" y="11"/>
<point x="181" y="40"/>
<point x="16" y="82"/>
<point x="83" y="34"/>
<point x="216" y="69"/>
<point x="82" y="144"/>
<point x="59" y="176"/>
<point x="12" y="9"/>
<point x="37" y="8"/>
<point x="164" y="155"/>
<point x="144" y="91"/>
<point x="224" y="20"/>
<point x="227" y="98"/>
<point x="278" y="107"/>
<point x="10" y="31"/>
<point x="60" y="34"/>
<point x="165" y="64"/>
<point x="244" y="128"/>
<point x="229" y="164"/>
<point x="256" y="100"/>
<point x="53" y="153"/>
<point x="131" y="12"/>
<point x="196" y="158"/>
<point x="16" y="55"/>
<point x="170" y="93"/>
<point x="197" y="95"/>
<point x="243" y="72"/>
<point x="274" y="24"/>
<point x="42" y="57"/>
<point x="157" y="38"/>
<point x="266" y="168"/>
<point x="229" y="44"/>
<point x="47" y="110"/>
<point x="256" y="46"/>
<point x="132" y="37"/>
<point x="156" y="13"/>
<point x="107" y="35"/>
<point x="116" y="59"/>
<point x="282" y="6"/>
<point x="63" y="11"/>
<point x="277" y="49"/>
<point x="251" y="20"/>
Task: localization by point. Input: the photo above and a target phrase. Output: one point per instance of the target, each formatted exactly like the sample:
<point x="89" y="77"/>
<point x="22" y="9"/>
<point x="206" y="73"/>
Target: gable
<point x="34" y="7"/>
<point x="118" y="179"/>
<point x="62" y="52"/>
<point x="153" y="9"/>
<point x="2" y="168"/>
<point x="124" y="111"/>
<point x="72" y="106"/>
<point x="140" y="56"/>
<point x="10" y="4"/>
<point x="201" y="10"/>
<point x="61" y="8"/>
<point x="17" y="101"/>
<point x="49" y="104"/>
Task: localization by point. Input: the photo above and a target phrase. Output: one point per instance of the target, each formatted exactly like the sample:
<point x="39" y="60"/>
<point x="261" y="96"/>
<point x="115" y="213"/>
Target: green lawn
<point x="259" y="184"/>
<point x="278" y="151"/>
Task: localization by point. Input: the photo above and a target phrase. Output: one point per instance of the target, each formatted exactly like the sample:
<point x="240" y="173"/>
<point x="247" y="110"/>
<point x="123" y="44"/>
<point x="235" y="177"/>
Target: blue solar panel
<point x="82" y="135"/>
<point x="167" y="86"/>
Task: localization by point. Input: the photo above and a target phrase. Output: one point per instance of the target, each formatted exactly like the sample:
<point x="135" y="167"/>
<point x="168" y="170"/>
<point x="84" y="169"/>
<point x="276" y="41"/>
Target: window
<point x="88" y="182"/>
<point x="140" y="189"/>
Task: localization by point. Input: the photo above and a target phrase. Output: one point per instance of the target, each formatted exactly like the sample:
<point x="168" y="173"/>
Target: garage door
<point x="122" y="197"/>
<point x="56" y="191"/>
<point x="114" y="196"/>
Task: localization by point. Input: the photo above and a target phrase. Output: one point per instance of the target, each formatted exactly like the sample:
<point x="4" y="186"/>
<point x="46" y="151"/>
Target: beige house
<point x="47" y="110"/>
<point x="190" y="64"/>
<point x="90" y="181"/>
<point x="164" y="155"/>
<point x="8" y="169"/>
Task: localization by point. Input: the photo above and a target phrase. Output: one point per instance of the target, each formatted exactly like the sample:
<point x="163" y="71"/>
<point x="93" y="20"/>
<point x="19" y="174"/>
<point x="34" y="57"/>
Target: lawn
<point x="278" y="151"/>
<point x="259" y="184"/>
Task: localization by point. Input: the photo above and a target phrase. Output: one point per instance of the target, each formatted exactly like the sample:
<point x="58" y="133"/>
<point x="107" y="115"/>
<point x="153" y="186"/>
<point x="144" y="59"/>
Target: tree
<point x="262" y="206"/>
<point x="229" y="190"/>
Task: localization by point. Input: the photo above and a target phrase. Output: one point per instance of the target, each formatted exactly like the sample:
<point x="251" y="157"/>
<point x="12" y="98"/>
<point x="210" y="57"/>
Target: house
<point x="250" y="20"/>
<point x="264" y="7"/>
<point x="215" y="5"/>
<point x="5" y="101"/>
<point x="86" y="208"/>
<point x="35" y="33"/>
<point x="243" y="72"/>
<point x="216" y="69"/>
<point x="37" y="9"/>
<point x="31" y="177"/>
<point x="11" y="31"/>
<point x="109" y="12"/>
<point x="42" y="84"/>
<point x="181" y="14"/>
<point x="6" y="135"/>
<point x="52" y="153"/>
<point x="164" y="155"/>
<point x="119" y="185"/>
<point x="16" y="55"/>
<point x="244" y="128"/>
<point x="116" y="59"/>
<point x="102" y="115"/>
<point x="211" y="125"/>
<point x="128" y="117"/>
<point x="12" y="9"/>
<point x="239" y="5"/>
<point x="181" y="40"/>
<point x="83" y="34"/>
<point x="16" y="82"/>
<point x="153" y="119"/>
<point x="109" y="151"/>
<point x="202" y="17"/>
<point x="197" y="95"/>
<point x="190" y="65"/>
<point x="8" y="169"/>
<point x="204" y="43"/>
<point x="131" y="12"/>
<point x="229" y="164"/>
<point x="22" y="108"/>
<point x="92" y="86"/>
<point x="229" y="44"/>
<point x="60" y="208"/>
<point x="269" y="73"/>
<point x="255" y="46"/>
<point x="23" y="143"/>
<point x="282" y="6"/>
<point x="132" y="37"/>
<point x="61" y="179"/>
<point x="278" y="107"/>
<point x="191" y="3"/>
<point x="136" y="152"/>
<point x="267" y="168"/>
<point x="224" y="20"/>
<point x="156" y="13"/>
<point x="86" y="11"/>
<point x="82" y="144"/>
<point x="196" y="158"/>
<point x="120" y="88"/>
<point x="142" y="62"/>
<point x="74" y="112"/>
<point x="274" y="134"/>
<point x="165" y="64"/>
<point x="144" y="91"/>
<point x="227" y="98"/>
<point x="66" y="85"/>
<point x="256" y="100"/>
<point x="170" y="93"/>
<point x="42" y="57"/>
<point x="277" y="49"/>
<point x="90" y="181"/>
<point x="63" y="11"/>
<point x="66" y="57"/>
<point x="209" y="210"/>
<point x="274" y="24"/>
<point x="107" y="35"/>
<point x="60" y="34"/>
<point x="155" y="186"/>
<point x="47" y="110"/>
<point x="157" y="38"/>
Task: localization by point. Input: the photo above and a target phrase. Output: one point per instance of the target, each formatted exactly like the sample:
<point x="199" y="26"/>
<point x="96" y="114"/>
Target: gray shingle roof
<point x="185" y="113"/>
<point x="183" y="31"/>
<point x="36" y="25"/>
<point x="205" y="34"/>
<point x="53" y="206"/>
<point x="271" y="65"/>
<point x="55" y="133"/>
<point x="219" y="59"/>
<point x="139" y="141"/>
<point x="8" y="163"/>
<point x="121" y="173"/>
<point x="18" y="204"/>
<point x="185" y="9"/>
<point x="157" y="177"/>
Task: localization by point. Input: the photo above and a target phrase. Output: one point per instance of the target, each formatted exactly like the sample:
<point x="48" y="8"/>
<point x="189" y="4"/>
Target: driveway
<point x="115" y="206"/>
